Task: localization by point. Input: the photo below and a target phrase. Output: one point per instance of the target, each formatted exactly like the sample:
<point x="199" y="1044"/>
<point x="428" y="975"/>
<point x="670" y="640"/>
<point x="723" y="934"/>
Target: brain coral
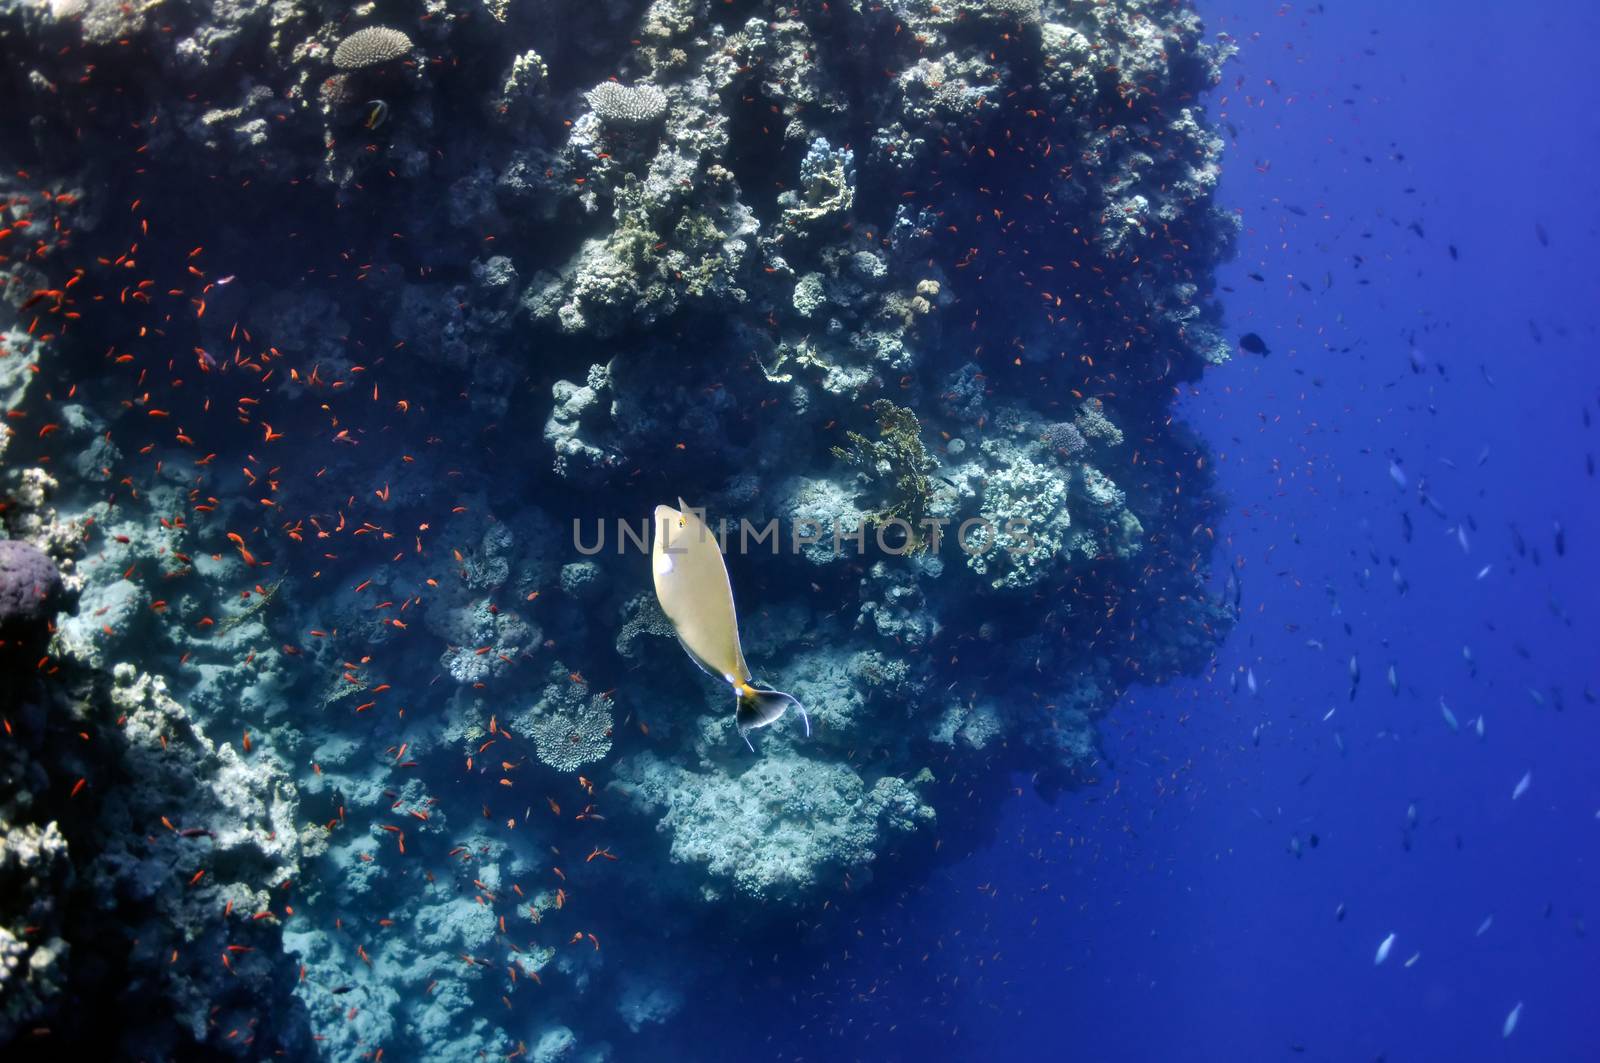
<point x="369" y="47"/>
<point x="627" y="106"/>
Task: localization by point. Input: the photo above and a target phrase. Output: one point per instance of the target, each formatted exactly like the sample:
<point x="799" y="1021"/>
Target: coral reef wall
<point x="333" y="340"/>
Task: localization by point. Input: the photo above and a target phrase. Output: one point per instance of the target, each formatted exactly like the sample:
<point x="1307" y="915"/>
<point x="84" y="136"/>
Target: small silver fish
<point x="1449" y="717"/>
<point x="1394" y="682"/>
<point x="1397" y="474"/>
<point x="1522" y="785"/>
<point x="1383" y="950"/>
<point x="1509" y="1027"/>
<point x="1483" y="927"/>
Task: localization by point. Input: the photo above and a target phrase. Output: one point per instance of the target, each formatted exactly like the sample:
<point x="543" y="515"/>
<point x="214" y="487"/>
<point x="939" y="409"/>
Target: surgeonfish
<point x="692" y="586"/>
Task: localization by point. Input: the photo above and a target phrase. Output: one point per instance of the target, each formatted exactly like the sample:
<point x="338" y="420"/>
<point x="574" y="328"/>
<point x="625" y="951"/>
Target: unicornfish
<point x="693" y="589"/>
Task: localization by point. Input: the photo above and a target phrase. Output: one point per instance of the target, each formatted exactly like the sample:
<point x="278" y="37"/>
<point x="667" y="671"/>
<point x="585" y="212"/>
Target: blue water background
<point x="1161" y="914"/>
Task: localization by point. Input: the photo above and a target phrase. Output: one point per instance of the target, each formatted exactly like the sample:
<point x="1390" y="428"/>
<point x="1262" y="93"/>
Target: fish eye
<point x="681" y="522"/>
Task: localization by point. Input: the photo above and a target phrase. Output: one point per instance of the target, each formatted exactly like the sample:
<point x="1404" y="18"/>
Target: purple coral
<point x="31" y="593"/>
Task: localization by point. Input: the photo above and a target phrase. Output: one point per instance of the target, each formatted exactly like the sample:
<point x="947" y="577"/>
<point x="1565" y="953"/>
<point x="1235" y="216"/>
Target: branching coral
<point x="899" y="465"/>
<point x="569" y="727"/>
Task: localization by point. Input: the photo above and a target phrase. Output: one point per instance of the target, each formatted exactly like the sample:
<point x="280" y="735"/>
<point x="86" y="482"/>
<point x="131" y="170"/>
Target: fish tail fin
<point x="759" y="707"/>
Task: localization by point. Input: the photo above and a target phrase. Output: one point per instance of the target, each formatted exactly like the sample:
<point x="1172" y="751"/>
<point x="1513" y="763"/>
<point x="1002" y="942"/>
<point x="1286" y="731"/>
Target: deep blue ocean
<point x="1394" y="166"/>
<point x="358" y="757"/>
<point x="1165" y="914"/>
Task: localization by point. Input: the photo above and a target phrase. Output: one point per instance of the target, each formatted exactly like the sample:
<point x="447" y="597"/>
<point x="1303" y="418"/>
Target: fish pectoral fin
<point x="759" y="707"/>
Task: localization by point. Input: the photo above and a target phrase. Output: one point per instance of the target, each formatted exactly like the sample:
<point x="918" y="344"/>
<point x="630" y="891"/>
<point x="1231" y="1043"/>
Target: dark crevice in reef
<point x="758" y="153"/>
<point x="731" y="14"/>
